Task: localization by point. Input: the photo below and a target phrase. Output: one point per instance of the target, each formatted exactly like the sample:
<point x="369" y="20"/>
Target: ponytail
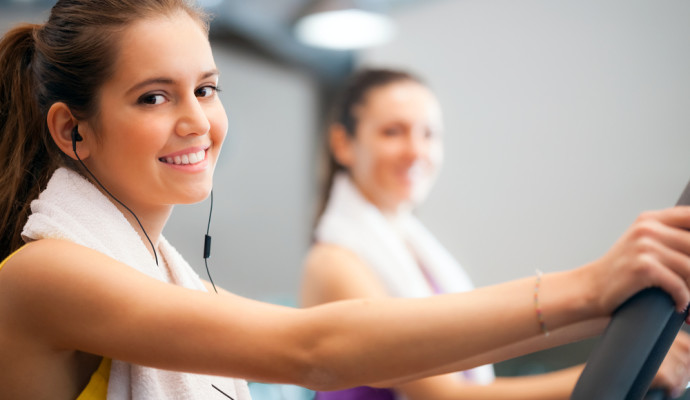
<point x="23" y="136"/>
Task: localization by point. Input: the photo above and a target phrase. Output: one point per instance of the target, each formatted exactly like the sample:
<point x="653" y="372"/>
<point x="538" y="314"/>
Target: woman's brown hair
<point x="67" y="59"/>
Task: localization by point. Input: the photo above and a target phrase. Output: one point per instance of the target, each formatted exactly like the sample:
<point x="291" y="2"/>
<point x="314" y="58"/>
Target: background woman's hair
<point x="67" y="59"/>
<point x="354" y="93"/>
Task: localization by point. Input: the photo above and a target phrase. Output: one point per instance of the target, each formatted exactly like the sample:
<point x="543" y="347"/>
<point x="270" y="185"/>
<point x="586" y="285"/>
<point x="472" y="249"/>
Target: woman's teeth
<point x="191" y="158"/>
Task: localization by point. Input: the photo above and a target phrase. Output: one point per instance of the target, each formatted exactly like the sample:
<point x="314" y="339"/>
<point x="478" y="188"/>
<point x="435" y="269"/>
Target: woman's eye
<point x="151" y="99"/>
<point x="392" y="131"/>
<point x="206" y="91"/>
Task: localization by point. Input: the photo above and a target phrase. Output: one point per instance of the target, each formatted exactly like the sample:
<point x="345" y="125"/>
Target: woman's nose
<point x="417" y="143"/>
<point x="192" y="118"/>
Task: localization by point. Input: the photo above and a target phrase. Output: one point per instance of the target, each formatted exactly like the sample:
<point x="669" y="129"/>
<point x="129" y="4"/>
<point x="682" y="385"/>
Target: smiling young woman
<point x="94" y="302"/>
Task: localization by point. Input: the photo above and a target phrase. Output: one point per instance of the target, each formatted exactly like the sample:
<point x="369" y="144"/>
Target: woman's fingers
<point x="665" y="228"/>
<point x="678" y="216"/>
<point x="668" y="280"/>
<point x="674" y="267"/>
<point x="654" y="251"/>
<point x="666" y="249"/>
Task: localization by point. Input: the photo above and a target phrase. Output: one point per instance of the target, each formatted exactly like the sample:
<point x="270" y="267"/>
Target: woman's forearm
<point x="564" y="335"/>
<point x="556" y="385"/>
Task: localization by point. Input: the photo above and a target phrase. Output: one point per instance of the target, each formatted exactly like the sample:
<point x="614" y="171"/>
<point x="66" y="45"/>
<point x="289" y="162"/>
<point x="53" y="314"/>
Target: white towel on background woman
<point x="396" y="250"/>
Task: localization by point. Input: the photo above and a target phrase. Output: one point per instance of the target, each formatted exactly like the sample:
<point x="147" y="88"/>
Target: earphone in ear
<point x="76" y="137"/>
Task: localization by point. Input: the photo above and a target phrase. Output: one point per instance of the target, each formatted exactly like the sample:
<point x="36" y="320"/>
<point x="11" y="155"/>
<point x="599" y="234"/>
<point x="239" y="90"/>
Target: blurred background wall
<point x="564" y="120"/>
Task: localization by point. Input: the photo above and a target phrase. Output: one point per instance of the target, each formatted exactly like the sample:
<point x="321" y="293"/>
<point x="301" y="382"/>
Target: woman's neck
<point x="152" y="222"/>
<point x="392" y="211"/>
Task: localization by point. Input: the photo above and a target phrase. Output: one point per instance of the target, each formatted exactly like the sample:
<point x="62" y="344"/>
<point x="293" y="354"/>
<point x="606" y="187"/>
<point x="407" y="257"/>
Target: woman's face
<point x="161" y="124"/>
<point x="397" y="149"/>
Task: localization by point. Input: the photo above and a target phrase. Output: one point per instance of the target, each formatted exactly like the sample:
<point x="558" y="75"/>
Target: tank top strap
<point x="10" y="256"/>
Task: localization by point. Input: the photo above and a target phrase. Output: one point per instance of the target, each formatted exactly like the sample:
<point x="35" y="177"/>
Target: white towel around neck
<point x="73" y="209"/>
<point x="352" y="222"/>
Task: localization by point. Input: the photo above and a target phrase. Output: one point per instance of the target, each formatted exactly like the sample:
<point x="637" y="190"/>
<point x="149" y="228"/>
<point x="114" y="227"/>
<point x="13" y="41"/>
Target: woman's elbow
<point x="319" y="370"/>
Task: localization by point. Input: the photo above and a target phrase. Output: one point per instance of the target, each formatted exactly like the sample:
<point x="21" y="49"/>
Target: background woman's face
<point x="397" y="149"/>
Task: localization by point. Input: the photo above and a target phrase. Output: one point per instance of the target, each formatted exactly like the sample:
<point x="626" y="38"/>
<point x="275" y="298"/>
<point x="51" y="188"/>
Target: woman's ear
<point x="341" y="145"/>
<point x="64" y="129"/>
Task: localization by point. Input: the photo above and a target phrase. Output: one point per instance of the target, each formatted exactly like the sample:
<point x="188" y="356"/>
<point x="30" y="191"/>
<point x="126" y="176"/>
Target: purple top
<point x="358" y="393"/>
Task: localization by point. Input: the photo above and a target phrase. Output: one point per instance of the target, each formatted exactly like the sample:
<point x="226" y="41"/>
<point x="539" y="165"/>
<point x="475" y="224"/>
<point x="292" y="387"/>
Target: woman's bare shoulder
<point x="330" y="260"/>
<point x="331" y="253"/>
<point x="333" y="272"/>
<point x="37" y="261"/>
<point x="58" y="292"/>
<point x="52" y="261"/>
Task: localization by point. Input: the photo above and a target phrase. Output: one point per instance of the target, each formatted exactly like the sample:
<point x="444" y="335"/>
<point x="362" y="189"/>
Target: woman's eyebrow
<point x="150" y="81"/>
<point x="211" y="73"/>
<point x="168" y="81"/>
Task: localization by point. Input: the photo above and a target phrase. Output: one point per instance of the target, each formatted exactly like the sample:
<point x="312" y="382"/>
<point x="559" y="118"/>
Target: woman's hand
<point x="654" y="251"/>
<point x="674" y="372"/>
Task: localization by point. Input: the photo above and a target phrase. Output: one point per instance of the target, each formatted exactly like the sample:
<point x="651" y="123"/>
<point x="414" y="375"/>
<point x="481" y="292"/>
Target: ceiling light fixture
<point x="345" y="25"/>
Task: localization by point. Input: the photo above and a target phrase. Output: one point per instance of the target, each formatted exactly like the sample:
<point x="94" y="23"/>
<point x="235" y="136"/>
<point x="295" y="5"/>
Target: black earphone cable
<point x="76" y="138"/>
<point x="207" y="244"/>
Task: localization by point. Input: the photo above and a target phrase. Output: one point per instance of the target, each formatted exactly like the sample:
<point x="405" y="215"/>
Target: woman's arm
<point x="558" y="385"/>
<point x="551" y="386"/>
<point x="66" y="297"/>
<point x="63" y="297"/>
<point x="672" y="376"/>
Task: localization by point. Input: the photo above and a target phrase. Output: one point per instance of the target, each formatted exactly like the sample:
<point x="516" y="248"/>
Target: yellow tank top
<point x="97" y="388"/>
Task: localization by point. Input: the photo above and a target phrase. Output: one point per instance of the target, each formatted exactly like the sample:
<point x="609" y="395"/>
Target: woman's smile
<point x="192" y="156"/>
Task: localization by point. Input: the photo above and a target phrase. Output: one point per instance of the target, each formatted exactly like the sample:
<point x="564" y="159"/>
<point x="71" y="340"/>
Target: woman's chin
<point x="194" y="196"/>
<point x="413" y="199"/>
